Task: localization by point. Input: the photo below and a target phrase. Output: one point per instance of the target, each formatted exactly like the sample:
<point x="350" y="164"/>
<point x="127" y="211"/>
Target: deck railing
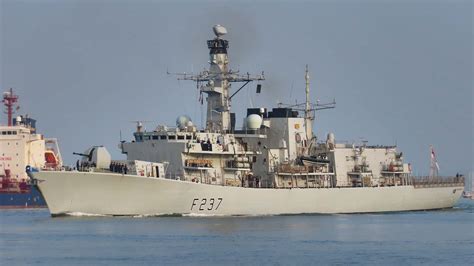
<point x="438" y="181"/>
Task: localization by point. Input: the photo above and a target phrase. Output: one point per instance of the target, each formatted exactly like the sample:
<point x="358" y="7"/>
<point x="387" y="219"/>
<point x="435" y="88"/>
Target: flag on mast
<point x="434" y="168"/>
<point x="433" y="158"/>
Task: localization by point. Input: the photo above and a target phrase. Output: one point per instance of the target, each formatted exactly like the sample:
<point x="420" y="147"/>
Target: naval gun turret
<point x="95" y="157"/>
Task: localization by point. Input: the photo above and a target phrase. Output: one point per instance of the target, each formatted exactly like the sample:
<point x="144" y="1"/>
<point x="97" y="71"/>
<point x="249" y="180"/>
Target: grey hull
<point x="115" y="194"/>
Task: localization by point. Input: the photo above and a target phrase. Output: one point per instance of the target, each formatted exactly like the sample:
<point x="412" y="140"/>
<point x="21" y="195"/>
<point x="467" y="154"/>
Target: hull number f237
<point x="206" y="204"/>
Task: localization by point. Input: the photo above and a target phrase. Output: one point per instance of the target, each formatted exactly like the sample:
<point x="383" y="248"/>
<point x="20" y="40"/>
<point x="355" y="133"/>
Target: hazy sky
<point x="400" y="71"/>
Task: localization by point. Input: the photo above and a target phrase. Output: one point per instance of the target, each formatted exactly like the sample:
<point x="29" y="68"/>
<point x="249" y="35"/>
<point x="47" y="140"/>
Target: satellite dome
<point x="254" y="121"/>
<point x="219" y="30"/>
<point x="182" y="121"/>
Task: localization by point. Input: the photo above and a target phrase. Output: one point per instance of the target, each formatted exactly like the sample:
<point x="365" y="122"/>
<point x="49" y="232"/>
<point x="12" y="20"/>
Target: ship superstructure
<point x="273" y="165"/>
<point x="22" y="146"/>
<point x="220" y="153"/>
<point x="276" y="148"/>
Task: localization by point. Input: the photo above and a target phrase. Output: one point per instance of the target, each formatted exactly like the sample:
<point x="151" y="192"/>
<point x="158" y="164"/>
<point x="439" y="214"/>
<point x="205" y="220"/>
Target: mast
<point x="9" y="100"/>
<point x="434" y="166"/>
<point x="307" y="111"/>
<point x="219" y="78"/>
<point x="217" y="89"/>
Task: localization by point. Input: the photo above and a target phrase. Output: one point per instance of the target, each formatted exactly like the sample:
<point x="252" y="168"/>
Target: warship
<point x="22" y="146"/>
<point x="274" y="165"/>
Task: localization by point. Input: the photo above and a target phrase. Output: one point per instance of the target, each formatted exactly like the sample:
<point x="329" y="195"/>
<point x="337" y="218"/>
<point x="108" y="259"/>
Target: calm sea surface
<point x="430" y="237"/>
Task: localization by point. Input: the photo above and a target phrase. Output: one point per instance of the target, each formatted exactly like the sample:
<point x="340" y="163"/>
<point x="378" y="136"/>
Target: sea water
<point x="422" y="237"/>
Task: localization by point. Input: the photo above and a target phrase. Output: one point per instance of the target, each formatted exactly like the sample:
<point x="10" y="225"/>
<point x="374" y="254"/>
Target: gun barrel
<point x="80" y="154"/>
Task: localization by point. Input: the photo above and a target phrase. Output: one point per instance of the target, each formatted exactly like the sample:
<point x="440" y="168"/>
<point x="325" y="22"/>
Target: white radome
<point x="219" y="30"/>
<point x="254" y="121"/>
